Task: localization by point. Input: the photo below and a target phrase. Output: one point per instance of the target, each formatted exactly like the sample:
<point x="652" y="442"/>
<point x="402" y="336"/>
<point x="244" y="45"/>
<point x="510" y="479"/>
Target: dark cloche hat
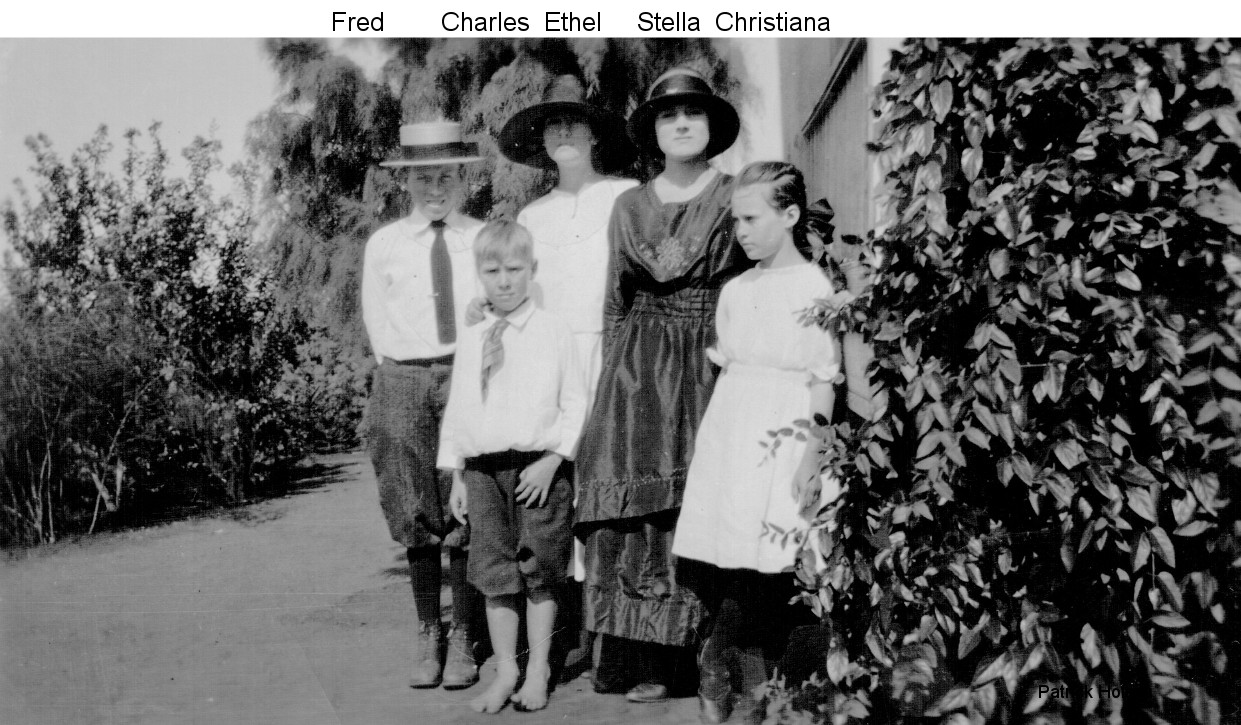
<point x="433" y="143"/>
<point x="521" y="139"/>
<point x="684" y="85"/>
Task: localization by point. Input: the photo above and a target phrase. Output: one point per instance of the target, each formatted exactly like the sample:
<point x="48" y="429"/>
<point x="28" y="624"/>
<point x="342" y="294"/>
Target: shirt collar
<point x="455" y="221"/>
<point x="517" y="318"/>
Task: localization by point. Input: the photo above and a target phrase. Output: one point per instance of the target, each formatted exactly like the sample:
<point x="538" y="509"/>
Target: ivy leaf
<point x="1163" y="545"/>
<point x="1070" y="454"/>
<point x="1142" y="552"/>
<point x="1223" y="205"/>
<point x="1144" y="130"/>
<point x="1140" y="502"/>
<point x="941" y="100"/>
<point x="1127" y="279"/>
<point x="1152" y="103"/>
<point x="1232" y="265"/>
<point x="985" y="416"/>
<point x="1022" y="468"/>
<point x="978" y="438"/>
<point x="1171" y="592"/>
<point x="1194" y="377"/>
<point x="837" y="665"/>
<point x="1193" y="528"/>
<point x="969" y="640"/>
<point x="1090" y="645"/>
<point x="999" y="263"/>
<point x="1170" y="620"/>
<point x="1004" y="223"/>
<point x="1053" y="381"/>
<point x="971" y="162"/>
<point x="1227" y="378"/>
<point x="954" y="699"/>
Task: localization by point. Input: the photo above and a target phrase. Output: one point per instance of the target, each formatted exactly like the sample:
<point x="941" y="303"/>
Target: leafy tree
<point x="144" y="349"/>
<point x="1040" y="522"/>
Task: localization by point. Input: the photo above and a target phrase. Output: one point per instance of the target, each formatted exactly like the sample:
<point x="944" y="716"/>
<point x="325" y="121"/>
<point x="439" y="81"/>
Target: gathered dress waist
<point x="795" y="376"/>
<point x="689" y="302"/>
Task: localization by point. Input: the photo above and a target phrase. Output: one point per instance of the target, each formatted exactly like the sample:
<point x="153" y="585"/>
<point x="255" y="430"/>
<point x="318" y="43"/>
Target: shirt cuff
<point x="567" y="452"/>
<point x="449" y="460"/>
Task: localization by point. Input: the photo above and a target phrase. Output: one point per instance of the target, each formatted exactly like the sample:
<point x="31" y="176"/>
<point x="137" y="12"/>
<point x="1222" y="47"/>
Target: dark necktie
<point x="441" y="285"/>
<point x="493" y="352"/>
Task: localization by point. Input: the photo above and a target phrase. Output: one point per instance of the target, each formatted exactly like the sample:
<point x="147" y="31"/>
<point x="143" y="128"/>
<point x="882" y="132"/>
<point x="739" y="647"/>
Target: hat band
<point x="456" y="149"/>
<point x="680" y="84"/>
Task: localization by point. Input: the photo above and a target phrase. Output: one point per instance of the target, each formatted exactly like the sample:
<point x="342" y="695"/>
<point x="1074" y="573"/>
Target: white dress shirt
<point x="536" y="400"/>
<point x="398" y="301"/>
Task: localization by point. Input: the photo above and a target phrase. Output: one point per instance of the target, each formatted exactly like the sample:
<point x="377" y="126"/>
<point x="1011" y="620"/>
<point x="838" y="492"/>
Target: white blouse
<point x="571" y="245"/>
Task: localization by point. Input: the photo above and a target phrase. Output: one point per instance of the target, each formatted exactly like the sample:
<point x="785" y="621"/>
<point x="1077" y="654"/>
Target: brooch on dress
<point x="671" y="254"/>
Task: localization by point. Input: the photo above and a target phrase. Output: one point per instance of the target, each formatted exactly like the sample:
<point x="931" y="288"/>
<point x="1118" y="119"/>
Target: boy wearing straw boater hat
<point x="418" y="277"/>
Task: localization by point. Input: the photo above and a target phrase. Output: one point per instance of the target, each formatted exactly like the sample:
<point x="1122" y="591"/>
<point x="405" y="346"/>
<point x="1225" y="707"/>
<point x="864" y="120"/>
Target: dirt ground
<point x="292" y="610"/>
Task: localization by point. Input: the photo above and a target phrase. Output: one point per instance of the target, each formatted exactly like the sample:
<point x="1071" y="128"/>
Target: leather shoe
<point x="461" y="669"/>
<point x="713" y="711"/>
<point x="647" y="692"/>
<point x="428" y="653"/>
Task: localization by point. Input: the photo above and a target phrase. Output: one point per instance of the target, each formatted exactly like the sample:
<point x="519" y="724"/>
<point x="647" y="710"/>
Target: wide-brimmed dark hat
<point x="521" y="139"/>
<point x="684" y="85"/>
<point x="433" y="143"/>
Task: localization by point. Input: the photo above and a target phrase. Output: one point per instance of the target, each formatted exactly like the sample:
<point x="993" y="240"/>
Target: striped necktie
<point x="441" y="285"/>
<point x="493" y="352"/>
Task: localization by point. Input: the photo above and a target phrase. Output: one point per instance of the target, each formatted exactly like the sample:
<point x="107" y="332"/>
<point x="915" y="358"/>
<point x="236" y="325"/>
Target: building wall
<point x="808" y="100"/>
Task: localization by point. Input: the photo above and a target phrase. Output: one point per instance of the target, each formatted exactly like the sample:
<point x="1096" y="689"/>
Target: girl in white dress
<point x="743" y="490"/>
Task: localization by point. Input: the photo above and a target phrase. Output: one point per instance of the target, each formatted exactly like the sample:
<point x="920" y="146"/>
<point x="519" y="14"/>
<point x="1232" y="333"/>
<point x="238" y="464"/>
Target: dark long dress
<point x="667" y="266"/>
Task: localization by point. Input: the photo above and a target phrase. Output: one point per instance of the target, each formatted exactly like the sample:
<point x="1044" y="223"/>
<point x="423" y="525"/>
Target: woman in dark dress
<point x="673" y="250"/>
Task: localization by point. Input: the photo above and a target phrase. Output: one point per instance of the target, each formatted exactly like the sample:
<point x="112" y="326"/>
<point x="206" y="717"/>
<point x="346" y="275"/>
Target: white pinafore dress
<point x="769" y="358"/>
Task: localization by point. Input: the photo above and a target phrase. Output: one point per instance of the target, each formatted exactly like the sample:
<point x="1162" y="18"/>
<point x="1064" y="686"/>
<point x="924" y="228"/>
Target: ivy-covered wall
<point x="1040" y="523"/>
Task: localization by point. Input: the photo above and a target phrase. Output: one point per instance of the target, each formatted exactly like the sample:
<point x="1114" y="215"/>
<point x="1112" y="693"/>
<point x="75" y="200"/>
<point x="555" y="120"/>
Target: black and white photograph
<point x="781" y="379"/>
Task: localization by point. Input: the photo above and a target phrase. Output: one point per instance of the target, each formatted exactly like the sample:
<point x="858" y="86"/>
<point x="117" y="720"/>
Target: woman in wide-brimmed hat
<point x="583" y="143"/>
<point x="673" y="250"/>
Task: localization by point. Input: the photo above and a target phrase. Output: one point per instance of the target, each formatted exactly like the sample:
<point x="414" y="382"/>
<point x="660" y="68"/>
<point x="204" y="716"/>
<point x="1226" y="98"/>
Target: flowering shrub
<point x="1041" y="521"/>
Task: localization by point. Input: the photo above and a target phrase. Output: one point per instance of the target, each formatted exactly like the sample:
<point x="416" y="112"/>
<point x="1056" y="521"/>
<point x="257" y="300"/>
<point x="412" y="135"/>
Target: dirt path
<point x="295" y="611"/>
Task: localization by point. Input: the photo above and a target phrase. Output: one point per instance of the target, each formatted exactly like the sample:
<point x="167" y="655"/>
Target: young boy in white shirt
<point x="516" y="407"/>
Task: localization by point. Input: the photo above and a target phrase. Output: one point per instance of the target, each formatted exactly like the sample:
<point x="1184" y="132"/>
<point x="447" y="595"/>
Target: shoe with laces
<point x="461" y="669"/>
<point x="428" y="654"/>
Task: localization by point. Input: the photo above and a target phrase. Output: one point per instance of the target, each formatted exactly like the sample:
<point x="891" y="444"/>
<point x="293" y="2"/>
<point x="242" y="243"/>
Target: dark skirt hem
<point x="611" y="500"/>
<point x="660" y="622"/>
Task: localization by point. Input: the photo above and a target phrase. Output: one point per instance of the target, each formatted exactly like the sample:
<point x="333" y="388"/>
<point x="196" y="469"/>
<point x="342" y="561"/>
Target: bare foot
<point x="493" y="699"/>
<point x="533" y="693"/>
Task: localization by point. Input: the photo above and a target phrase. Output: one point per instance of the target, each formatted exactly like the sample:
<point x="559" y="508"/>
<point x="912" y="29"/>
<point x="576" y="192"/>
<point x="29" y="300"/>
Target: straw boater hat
<point x="521" y="139"/>
<point x="683" y="85"/>
<point x="433" y="143"/>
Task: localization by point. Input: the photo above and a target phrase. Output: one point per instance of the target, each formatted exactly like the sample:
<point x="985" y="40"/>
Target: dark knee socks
<point x="424" y="577"/>
<point x="467" y="609"/>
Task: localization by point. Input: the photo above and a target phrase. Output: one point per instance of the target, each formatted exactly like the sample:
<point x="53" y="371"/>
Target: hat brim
<point x="725" y="124"/>
<point x="442" y="161"/>
<point x="521" y="139"/>
<point x="436" y="154"/>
